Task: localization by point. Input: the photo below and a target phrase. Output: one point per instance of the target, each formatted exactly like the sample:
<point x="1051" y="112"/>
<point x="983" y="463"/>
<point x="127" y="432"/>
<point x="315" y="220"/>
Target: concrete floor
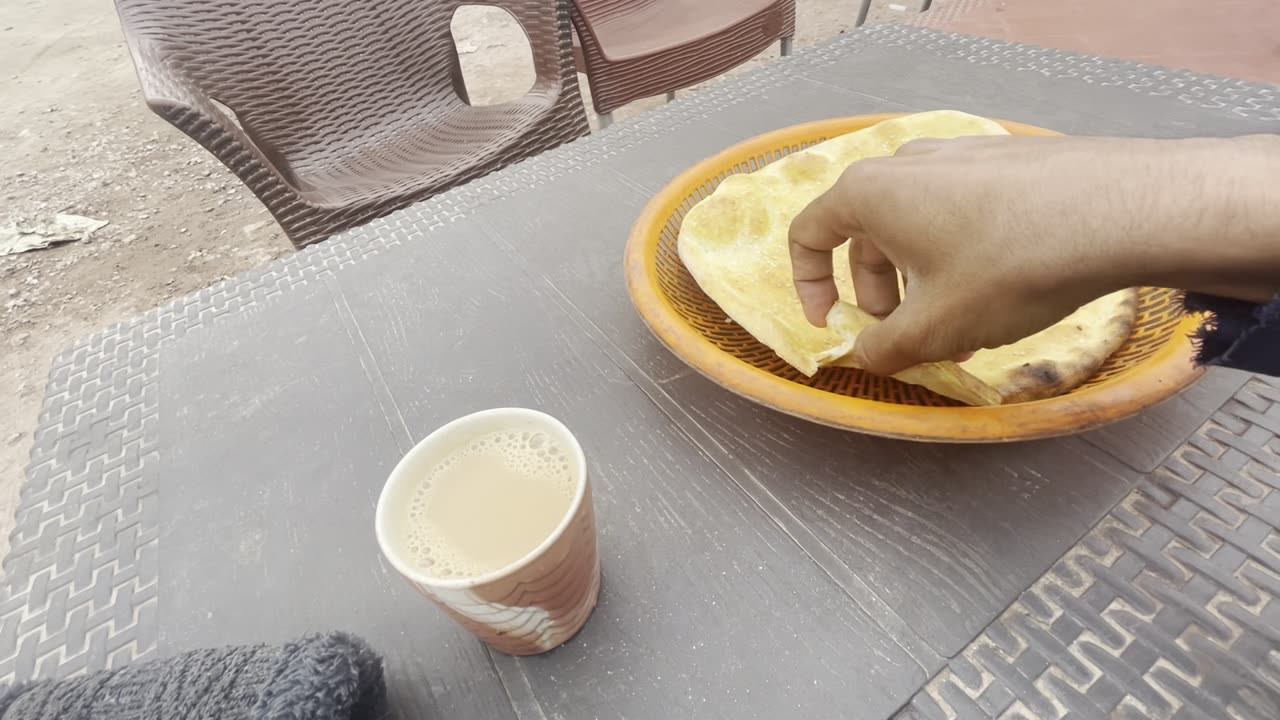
<point x="1229" y="38"/>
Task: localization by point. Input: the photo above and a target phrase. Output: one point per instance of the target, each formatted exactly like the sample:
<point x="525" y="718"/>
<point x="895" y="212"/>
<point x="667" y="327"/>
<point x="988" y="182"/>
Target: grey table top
<point x="206" y="473"/>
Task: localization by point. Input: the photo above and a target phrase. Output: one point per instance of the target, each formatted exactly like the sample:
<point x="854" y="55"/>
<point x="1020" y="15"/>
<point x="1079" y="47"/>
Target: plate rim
<point x="1162" y="376"/>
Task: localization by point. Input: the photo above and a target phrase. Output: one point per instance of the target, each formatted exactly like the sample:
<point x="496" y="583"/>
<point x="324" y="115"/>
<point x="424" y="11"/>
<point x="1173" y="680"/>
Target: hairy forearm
<point x="1211" y="221"/>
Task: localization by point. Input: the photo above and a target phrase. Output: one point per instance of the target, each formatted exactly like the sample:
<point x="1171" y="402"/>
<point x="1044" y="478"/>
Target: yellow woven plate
<point x="1153" y="365"/>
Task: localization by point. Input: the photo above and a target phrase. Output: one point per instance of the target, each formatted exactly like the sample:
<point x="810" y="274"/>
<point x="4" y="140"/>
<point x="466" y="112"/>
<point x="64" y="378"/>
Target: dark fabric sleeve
<point x="1239" y="334"/>
<point x="334" y="676"/>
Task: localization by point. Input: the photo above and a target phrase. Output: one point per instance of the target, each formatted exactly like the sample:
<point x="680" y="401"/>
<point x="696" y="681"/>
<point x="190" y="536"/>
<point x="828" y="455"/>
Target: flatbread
<point x="734" y="243"/>
<point x="1061" y="357"/>
<point x="945" y="378"/>
<point x="1054" y="361"/>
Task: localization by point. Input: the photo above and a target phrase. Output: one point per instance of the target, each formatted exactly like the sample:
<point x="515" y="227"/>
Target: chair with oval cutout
<point x="336" y="112"/>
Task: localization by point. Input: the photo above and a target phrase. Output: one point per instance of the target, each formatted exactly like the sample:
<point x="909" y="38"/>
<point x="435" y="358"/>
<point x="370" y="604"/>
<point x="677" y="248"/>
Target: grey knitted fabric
<point x="320" y="677"/>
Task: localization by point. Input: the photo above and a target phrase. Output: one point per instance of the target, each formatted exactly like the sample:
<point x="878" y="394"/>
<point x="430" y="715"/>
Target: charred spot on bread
<point x="1043" y="373"/>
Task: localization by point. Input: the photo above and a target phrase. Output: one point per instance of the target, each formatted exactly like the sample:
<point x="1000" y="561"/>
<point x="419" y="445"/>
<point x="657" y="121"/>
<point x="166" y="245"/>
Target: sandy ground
<point x="76" y="138"/>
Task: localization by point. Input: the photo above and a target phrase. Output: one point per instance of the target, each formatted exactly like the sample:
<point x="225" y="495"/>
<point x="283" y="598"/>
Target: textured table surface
<point x="206" y="473"/>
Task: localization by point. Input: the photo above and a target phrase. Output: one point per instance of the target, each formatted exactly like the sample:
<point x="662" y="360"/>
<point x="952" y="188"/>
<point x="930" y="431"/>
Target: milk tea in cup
<point x="491" y="518"/>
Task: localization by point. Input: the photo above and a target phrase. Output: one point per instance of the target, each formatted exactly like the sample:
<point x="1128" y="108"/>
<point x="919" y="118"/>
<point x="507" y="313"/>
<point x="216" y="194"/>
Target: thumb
<point x="894" y="344"/>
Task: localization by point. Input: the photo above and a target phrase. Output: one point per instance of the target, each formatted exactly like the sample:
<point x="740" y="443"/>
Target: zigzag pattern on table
<point x="1168" y="608"/>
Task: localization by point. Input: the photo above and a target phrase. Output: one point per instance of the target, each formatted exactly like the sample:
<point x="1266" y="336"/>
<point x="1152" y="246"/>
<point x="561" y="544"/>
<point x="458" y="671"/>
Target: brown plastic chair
<point x="335" y="112"/>
<point x="631" y="49"/>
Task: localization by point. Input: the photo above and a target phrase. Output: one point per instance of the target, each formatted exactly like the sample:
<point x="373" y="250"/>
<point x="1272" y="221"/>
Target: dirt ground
<point x="76" y="138"/>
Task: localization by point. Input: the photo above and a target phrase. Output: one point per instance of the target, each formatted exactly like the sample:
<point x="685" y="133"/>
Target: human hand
<point x="1000" y="237"/>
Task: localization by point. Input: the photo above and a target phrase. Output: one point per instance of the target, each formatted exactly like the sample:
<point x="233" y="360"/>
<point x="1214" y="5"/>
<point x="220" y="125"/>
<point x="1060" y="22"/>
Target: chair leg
<point x="786" y="46"/>
<point x="862" y="13"/>
<point x="671" y="96"/>
<point x="605" y="119"/>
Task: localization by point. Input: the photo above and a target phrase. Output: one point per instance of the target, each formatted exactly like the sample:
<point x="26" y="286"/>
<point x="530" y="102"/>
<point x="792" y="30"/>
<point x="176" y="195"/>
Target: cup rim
<point x="383" y="512"/>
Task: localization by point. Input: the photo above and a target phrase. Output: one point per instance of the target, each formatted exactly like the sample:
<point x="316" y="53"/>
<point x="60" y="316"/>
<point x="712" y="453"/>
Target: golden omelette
<point x="734" y="243"/>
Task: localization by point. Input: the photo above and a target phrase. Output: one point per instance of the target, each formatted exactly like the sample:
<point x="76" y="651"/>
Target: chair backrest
<point x="605" y="9"/>
<point x="301" y="74"/>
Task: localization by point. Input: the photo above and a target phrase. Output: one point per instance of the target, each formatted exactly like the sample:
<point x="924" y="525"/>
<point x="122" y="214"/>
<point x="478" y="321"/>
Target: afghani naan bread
<point x="734" y="243"/>
<point x="1055" y="360"/>
<point x="945" y="378"/>
<point x="1061" y="357"/>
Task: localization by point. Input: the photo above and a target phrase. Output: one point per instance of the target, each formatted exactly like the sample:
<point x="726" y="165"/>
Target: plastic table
<point x="206" y="473"/>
